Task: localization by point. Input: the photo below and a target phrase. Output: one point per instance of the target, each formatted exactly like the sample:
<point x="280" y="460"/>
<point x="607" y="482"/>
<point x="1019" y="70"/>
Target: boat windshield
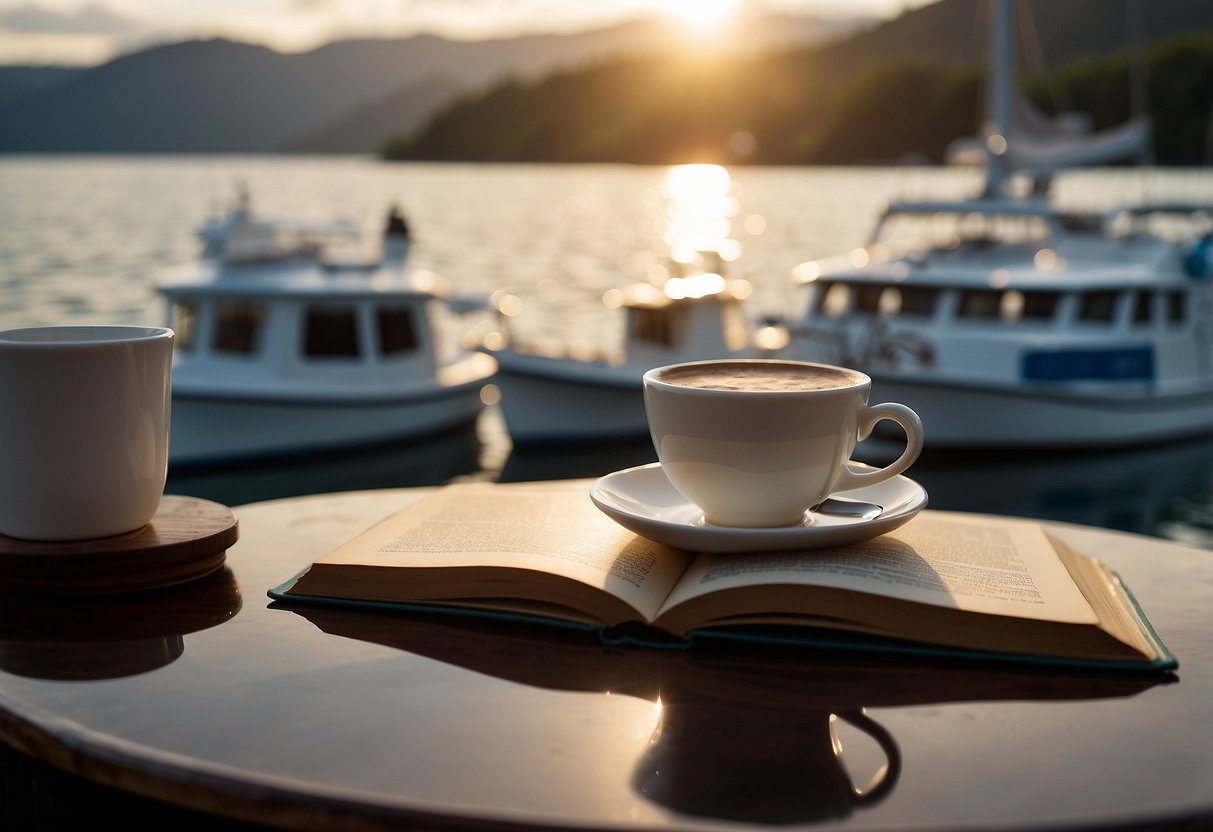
<point x="262" y="241"/>
<point x="1175" y="222"/>
<point x="900" y="231"/>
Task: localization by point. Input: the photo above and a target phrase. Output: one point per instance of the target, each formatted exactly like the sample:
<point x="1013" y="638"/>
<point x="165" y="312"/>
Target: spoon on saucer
<point x="846" y="507"/>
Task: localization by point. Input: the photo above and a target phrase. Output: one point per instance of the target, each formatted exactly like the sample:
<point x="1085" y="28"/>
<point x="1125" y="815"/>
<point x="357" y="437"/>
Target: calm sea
<point x="82" y="240"/>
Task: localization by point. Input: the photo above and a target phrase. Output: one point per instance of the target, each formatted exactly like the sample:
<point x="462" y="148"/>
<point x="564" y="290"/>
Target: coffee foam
<point x="770" y="377"/>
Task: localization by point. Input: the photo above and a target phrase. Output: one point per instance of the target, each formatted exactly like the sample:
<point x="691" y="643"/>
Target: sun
<point x="699" y="13"/>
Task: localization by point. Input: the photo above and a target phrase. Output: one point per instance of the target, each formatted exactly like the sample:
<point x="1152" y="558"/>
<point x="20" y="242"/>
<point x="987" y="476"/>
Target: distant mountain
<point x="18" y="82"/>
<point x="903" y="89"/>
<point x="366" y="127"/>
<point x="354" y="96"/>
<point x="1055" y="32"/>
<point x="221" y="96"/>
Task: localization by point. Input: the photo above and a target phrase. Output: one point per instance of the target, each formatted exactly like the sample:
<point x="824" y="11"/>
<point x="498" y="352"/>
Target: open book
<point x="944" y="583"/>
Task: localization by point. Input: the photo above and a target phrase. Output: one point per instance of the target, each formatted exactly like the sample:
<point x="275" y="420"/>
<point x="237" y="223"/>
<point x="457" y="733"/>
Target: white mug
<point x="84" y="429"/>
<point x="759" y="443"/>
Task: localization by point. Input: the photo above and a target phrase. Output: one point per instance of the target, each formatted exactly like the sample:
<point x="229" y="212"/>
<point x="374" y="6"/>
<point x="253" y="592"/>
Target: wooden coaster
<point x="187" y="539"/>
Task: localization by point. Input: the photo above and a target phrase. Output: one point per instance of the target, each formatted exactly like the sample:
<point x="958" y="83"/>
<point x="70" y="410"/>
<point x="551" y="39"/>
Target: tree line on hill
<point x="790" y="89"/>
<point x="800" y="106"/>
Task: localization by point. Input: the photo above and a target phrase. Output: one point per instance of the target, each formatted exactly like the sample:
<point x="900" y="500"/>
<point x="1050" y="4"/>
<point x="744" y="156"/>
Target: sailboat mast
<point x="999" y="79"/>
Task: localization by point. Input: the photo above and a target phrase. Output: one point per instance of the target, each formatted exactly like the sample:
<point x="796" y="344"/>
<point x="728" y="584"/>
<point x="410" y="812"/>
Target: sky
<point x="89" y="32"/>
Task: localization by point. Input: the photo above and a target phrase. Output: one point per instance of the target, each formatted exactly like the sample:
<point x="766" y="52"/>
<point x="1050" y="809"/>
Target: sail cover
<point x="1038" y="143"/>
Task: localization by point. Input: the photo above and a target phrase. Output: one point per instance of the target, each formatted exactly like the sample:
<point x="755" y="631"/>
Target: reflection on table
<point x="328" y="718"/>
<point x="111" y="636"/>
<point x="746" y="734"/>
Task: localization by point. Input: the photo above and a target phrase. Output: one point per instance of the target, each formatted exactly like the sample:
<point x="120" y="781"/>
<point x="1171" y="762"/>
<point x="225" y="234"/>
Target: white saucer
<point x="641" y="499"/>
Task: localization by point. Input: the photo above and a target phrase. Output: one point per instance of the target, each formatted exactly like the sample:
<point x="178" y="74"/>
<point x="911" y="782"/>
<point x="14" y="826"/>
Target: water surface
<point x="83" y="239"/>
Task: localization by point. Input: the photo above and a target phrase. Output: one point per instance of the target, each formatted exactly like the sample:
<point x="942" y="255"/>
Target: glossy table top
<point x="210" y="697"/>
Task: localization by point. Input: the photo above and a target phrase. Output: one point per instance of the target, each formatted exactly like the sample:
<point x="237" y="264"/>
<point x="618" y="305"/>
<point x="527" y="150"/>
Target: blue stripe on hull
<point x="1135" y="364"/>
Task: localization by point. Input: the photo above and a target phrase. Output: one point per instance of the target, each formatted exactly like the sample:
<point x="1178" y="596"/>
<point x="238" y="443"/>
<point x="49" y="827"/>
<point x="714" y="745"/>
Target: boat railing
<point x="950" y="223"/>
<point x="876" y="344"/>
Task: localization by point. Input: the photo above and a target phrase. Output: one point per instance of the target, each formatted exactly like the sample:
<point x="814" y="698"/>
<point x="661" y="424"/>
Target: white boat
<point x="683" y="310"/>
<point x="285" y="347"/>
<point x="1006" y="322"/>
<point x="550" y="397"/>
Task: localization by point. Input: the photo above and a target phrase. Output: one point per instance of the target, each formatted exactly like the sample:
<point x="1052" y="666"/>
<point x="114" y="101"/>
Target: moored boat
<point x="1062" y="339"/>
<point x="1007" y="322"/>
<point x="551" y="397"/>
<point x="683" y="310"/>
<point x="285" y="351"/>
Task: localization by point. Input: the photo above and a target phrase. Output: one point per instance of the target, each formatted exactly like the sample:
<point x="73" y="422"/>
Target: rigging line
<point x="1139" y="75"/>
<point x="1033" y="49"/>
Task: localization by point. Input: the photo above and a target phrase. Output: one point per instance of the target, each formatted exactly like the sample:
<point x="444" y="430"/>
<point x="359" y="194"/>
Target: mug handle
<point x="849" y="478"/>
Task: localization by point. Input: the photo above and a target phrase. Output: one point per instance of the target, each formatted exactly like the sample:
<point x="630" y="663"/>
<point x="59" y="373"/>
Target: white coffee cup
<point x="758" y="443"/>
<point x="84" y="429"/>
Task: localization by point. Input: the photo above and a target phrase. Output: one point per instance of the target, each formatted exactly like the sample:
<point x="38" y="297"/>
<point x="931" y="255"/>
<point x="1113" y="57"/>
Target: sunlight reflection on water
<point x="84" y="237"/>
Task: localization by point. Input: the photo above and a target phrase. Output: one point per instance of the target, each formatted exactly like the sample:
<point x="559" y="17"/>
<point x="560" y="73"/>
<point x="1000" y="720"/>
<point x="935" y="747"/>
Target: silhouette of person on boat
<point x="397" y="225"/>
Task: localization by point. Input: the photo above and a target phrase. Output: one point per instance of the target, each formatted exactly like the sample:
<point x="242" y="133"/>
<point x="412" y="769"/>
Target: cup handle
<point x="886" y="777"/>
<point x="849" y="478"/>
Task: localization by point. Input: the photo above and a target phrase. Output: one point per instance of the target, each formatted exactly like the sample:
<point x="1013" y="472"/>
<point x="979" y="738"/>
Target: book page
<point x="548" y="527"/>
<point x="1000" y="566"/>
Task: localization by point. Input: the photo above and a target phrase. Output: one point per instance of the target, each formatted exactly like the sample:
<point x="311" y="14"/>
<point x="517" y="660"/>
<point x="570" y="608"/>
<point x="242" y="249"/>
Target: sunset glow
<point x="82" y="32"/>
<point x="701" y="14"/>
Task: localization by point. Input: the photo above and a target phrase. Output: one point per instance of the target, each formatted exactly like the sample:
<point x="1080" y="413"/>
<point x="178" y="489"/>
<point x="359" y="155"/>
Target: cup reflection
<point x="782" y="764"/>
<point x="109" y="637"/>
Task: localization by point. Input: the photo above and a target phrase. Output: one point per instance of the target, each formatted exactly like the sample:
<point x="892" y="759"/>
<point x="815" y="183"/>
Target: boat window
<point x="1141" y="307"/>
<point x="238" y="327"/>
<point x="1080" y="223"/>
<point x="1097" y="306"/>
<point x="1039" y="306"/>
<point x="184" y="323"/>
<point x="867" y="298"/>
<point x="1176" y="311"/>
<point x="653" y="325"/>
<point x="979" y="303"/>
<point x="887" y="301"/>
<point x="396" y="330"/>
<point x="918" y="301"/>
<point x="331" y="332"/>
<point x="820" y="291"/>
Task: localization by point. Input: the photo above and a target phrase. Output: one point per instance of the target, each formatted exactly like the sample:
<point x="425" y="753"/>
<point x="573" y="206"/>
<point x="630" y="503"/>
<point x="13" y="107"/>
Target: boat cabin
<point x="699" y="316"/>
<point x="1022" y="296"/>
<point x="302" y="337"/>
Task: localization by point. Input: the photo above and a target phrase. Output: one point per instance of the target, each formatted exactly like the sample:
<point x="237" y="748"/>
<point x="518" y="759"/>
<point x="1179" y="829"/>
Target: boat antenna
<point x="999" y="79"/>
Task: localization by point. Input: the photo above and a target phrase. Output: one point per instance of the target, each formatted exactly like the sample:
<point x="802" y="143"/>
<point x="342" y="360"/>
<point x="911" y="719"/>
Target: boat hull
<point x="968" y="415"/>
<point x="214" y="430"/>
<point x="566" y="408"/>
